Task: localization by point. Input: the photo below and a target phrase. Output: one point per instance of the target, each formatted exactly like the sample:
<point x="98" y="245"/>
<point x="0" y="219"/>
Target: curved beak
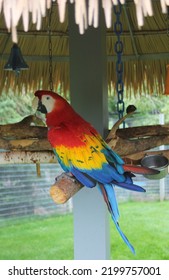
<point x="41" y="108"/>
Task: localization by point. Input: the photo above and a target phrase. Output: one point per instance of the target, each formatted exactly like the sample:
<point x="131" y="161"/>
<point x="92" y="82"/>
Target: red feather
<point x="139" y="169"/>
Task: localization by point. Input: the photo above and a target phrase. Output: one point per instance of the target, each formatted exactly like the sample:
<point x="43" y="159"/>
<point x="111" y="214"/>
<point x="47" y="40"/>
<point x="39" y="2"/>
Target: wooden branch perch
<point x="24" y="142"/>
<point x="64" y="188"/>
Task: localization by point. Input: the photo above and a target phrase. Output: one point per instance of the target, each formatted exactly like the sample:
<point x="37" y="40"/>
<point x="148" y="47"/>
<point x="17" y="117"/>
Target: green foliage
<point x="14" y="107"/>
<point x="148" y="108"/>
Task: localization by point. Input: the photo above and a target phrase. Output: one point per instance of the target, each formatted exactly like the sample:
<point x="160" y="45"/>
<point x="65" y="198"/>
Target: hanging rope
<point x="119" y="63"/>
<point x="50" y="49"/>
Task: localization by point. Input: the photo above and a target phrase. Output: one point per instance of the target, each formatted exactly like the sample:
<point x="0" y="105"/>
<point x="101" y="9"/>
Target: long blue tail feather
<point x="110" y="199"/>
<point x="123" y="236"/>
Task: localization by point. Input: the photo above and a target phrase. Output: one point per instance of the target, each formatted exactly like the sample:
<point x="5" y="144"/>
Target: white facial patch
<point x="49" y="102"/>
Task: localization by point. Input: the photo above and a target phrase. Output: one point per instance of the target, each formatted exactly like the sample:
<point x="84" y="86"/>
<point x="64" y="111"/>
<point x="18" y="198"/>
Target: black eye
<point x="47" y="98"/>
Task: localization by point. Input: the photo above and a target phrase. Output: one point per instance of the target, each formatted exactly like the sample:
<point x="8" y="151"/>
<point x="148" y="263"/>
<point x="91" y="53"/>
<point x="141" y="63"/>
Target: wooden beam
<point x="44" y="58"/>
<point x="62" y="34"/>
<point x="113" y="58"/>
<point x="36" y="33"/>
<point x="28" y="157"/>
<point x="147" y="56"/>
<point x="25" y="145"/>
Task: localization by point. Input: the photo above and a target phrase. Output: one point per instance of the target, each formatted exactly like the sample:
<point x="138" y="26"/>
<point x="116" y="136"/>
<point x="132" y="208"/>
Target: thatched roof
<point x="145" y="55"/>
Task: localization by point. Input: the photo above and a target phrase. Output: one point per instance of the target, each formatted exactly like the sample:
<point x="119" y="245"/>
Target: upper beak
<point x="41" y="107"/>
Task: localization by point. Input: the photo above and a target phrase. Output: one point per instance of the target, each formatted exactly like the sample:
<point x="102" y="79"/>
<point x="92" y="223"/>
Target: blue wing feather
<point x="83" y="178"/>
<point x="105" y="175"/>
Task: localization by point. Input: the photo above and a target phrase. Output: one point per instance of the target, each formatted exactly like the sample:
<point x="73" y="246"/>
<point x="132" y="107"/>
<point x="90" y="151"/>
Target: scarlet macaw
<point x="81" y="151"/>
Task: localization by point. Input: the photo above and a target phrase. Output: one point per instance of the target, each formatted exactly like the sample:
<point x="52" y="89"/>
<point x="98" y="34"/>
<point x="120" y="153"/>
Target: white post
<point x="88" y="87"/>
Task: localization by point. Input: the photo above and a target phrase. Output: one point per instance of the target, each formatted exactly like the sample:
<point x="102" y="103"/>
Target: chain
<point x="50" y="49"/>
<point x="119" y="63"/>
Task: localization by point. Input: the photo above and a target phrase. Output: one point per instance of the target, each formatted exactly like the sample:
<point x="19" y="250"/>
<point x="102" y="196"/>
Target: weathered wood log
<point x="142" y="131"/>
<point x="26" y="157"/>
<point x="22" y="136"/>
<point x="126" y="147"/>
<point x="22" y="157"/>
<point x="23" y="129"/>
<point x="25" y="144"/>
<point x="22" y="132"/>
<point x="122" y="146"/>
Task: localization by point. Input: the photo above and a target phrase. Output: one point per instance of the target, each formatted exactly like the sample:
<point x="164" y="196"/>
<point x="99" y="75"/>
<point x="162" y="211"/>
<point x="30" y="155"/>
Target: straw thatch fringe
<point x="37" y="77"/>
<point x="141" y="75"/>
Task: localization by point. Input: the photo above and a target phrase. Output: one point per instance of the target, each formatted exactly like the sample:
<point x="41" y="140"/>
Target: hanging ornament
<point x="16" y="61"/>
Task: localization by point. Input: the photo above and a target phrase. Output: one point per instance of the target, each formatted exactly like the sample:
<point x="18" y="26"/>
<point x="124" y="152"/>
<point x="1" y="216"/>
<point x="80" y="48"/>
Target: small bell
<point x="16" y="62"/>
<point x="166" y="92"/>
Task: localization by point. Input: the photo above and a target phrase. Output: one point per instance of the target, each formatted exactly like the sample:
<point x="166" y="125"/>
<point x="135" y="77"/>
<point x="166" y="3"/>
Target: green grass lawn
<point x="146" y="224"/>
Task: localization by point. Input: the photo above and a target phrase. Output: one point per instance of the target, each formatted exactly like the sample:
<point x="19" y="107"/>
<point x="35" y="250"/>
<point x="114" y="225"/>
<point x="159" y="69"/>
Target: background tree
<point x="14" y="107"/>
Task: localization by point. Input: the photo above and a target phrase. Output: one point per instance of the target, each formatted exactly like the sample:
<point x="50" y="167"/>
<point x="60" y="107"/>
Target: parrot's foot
<point x="69" y="174"/>
<point x="66" y="175"/>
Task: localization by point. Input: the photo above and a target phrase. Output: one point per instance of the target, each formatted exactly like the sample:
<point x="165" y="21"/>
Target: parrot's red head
<point x="47" y="101"/>
<point x="56" y="108"/>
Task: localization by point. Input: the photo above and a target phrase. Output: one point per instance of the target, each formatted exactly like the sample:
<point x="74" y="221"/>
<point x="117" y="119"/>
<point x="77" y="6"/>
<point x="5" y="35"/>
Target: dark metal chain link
<point x="50" y="49"/>
<point x="119" y="63"/>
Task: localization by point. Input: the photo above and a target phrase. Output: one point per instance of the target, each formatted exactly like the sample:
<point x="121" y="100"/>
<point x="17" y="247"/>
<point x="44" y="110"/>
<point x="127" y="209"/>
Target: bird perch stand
<point x="24" y="142"/>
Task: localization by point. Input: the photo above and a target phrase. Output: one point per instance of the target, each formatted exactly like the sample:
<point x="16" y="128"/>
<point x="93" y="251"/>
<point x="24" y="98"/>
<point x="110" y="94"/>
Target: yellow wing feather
<point x="87" y="156"/>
